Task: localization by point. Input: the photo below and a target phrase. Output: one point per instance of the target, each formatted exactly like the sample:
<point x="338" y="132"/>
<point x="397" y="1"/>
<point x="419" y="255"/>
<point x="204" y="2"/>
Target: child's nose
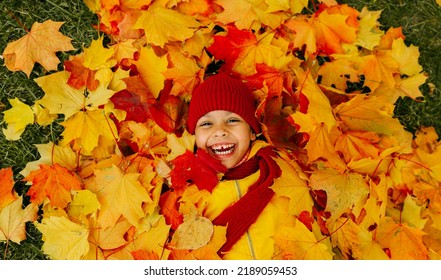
<point x="220" y="131"/>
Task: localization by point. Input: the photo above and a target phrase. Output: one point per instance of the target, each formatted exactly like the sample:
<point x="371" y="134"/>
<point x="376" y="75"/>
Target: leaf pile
<point x="326" y="78"/>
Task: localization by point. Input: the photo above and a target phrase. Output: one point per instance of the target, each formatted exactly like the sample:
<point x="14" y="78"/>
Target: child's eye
<point x="206" y="123"/>
<point x="233" y="120"/>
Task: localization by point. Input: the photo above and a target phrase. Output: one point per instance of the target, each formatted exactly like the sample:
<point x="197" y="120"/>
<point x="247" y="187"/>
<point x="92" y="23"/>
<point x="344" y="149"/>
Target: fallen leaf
<point x="63" y="239"/>
<point x="39" y="45"/>
<point x="13" y="219"/>
<point x="7" y="193"/>
<point x="17" y="118"/>
<point x="54" y="182"/>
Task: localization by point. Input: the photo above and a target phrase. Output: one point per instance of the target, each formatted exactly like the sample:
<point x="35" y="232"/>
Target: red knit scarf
<point x="239" y="216"/>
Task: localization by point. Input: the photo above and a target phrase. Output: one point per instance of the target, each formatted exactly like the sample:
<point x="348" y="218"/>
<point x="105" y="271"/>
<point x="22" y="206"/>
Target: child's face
<point x="225" y="136"/>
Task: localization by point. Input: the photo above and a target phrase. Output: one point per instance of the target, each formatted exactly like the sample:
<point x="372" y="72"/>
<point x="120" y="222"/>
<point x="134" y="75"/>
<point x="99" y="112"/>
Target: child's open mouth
<point x="222" y="149"/>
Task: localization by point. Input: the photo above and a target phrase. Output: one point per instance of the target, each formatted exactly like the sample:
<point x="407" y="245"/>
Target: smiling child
<point x="245" y="171"/>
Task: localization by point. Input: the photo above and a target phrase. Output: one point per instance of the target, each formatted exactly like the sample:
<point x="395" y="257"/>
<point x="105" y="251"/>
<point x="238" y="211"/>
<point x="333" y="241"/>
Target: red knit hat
<point x="222" y="92"/>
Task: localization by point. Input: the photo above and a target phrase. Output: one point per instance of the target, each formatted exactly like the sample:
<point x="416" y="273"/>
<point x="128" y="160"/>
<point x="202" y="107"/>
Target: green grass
<point x="421" y="21"/>
<point x="17" y="16"/>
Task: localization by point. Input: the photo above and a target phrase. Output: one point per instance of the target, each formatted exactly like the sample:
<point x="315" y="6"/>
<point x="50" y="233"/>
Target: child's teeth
<point x="222" y="149"/>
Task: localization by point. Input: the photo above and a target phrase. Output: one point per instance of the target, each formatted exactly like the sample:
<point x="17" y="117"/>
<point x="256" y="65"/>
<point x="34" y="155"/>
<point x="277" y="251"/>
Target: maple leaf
<point x="54" y="182"/>
<point x="378" y="68"/>
<point x="268" y="76"/>
<point x="355" y="145"/>
<point x="52" y="154"/>
<point x="7" y="193"/>
<point x="63" y="239"/>
<point x="17" y="119"/>
<point x="201" y="169"/>
<point x="162" y="25"/>
<point x="344" y="191"/>
<point x="13" y="219"/>
<point x="60" y="98"/>
<point x="324" y="32"/>
<point x="407" y="57"/>
<point x="39" y="45"/>
<point x="80" y="76"/>
<point x="293" y="187"/>
<point x="298" y="243"/>
<point x="240" y="12"/>
<point x="363" y="113"/>
<point x="150" y="67"/>
<point x="84" y="202"/>
<point x="242" y="50"/>
<point x="369" y="33"/>
<point x="409" y="87"/>
<point x="86" y="128"/>
<point x="119" y="194"/>
<point x="404" y="242"/>
<point x="185" y="73"/>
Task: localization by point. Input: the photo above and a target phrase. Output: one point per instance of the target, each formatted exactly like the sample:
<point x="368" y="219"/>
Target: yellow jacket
<point x="257" y="242"/>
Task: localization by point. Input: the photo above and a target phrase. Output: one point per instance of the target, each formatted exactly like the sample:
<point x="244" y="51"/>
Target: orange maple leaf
<point x="54" y="182"/>
<point x="325" y="32"/>
<point x="7" y="194"/>
<point x="404" y="242"/>
<point x="39" y="45"/>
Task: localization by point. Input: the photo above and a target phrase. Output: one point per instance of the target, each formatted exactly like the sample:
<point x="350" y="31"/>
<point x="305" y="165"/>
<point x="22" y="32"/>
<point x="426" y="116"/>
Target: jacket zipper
<point x="248" y="236"/>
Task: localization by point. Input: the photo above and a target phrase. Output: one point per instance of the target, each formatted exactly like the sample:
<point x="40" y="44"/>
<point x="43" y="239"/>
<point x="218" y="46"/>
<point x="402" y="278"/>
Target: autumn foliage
<point x="326" y="78"/>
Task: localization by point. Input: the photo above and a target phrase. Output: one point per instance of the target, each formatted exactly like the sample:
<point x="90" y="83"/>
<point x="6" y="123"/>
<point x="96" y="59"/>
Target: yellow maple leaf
<point x="240" y="12"/>
<point x="63" y="239"/>
<point x="150" y="67"/>
<point x="363" y="113"/>
<point x="51" y="153"/>
<point x="355" y="145"/>
<point x="162" y="25"/>
<point x="107" y="239"/>
<point x="178" y="145"/>
<point x="42" y="115"/>
<point x="320" y="146"/>
<point x="404" y="242"/>
<point x="97" y="56"/>
<point x="85" y="129"/>
<point x="409" y="86"/>
<point x="54" y="182"/>
<point x="39" y="45"/>
<point x="344" y="191"/>
<point x="378" y="68"/>
<point x="13" y="219"/>
<point x="120" y="195"/>
<point x="319" y="107"/>
<point x="426" y="139"/>
<point x="407" y="57"/>
<point x="411" y="213"/>
<point x="298" y="243"/>
<point x="337" y="73"/>
<point x="292" y="186"/>
<point x="297" y="6"/>
<point x="84" y="202"/>
<point x="17" y="118"/>
<point x="369" y="33"/>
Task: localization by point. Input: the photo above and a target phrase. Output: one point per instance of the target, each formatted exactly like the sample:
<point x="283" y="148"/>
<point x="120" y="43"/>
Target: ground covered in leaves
<point x="90" y="125"/>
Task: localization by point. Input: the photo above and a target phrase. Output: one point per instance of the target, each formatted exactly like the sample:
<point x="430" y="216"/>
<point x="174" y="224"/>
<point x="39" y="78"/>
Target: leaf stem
<point x="17" y="20"/>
